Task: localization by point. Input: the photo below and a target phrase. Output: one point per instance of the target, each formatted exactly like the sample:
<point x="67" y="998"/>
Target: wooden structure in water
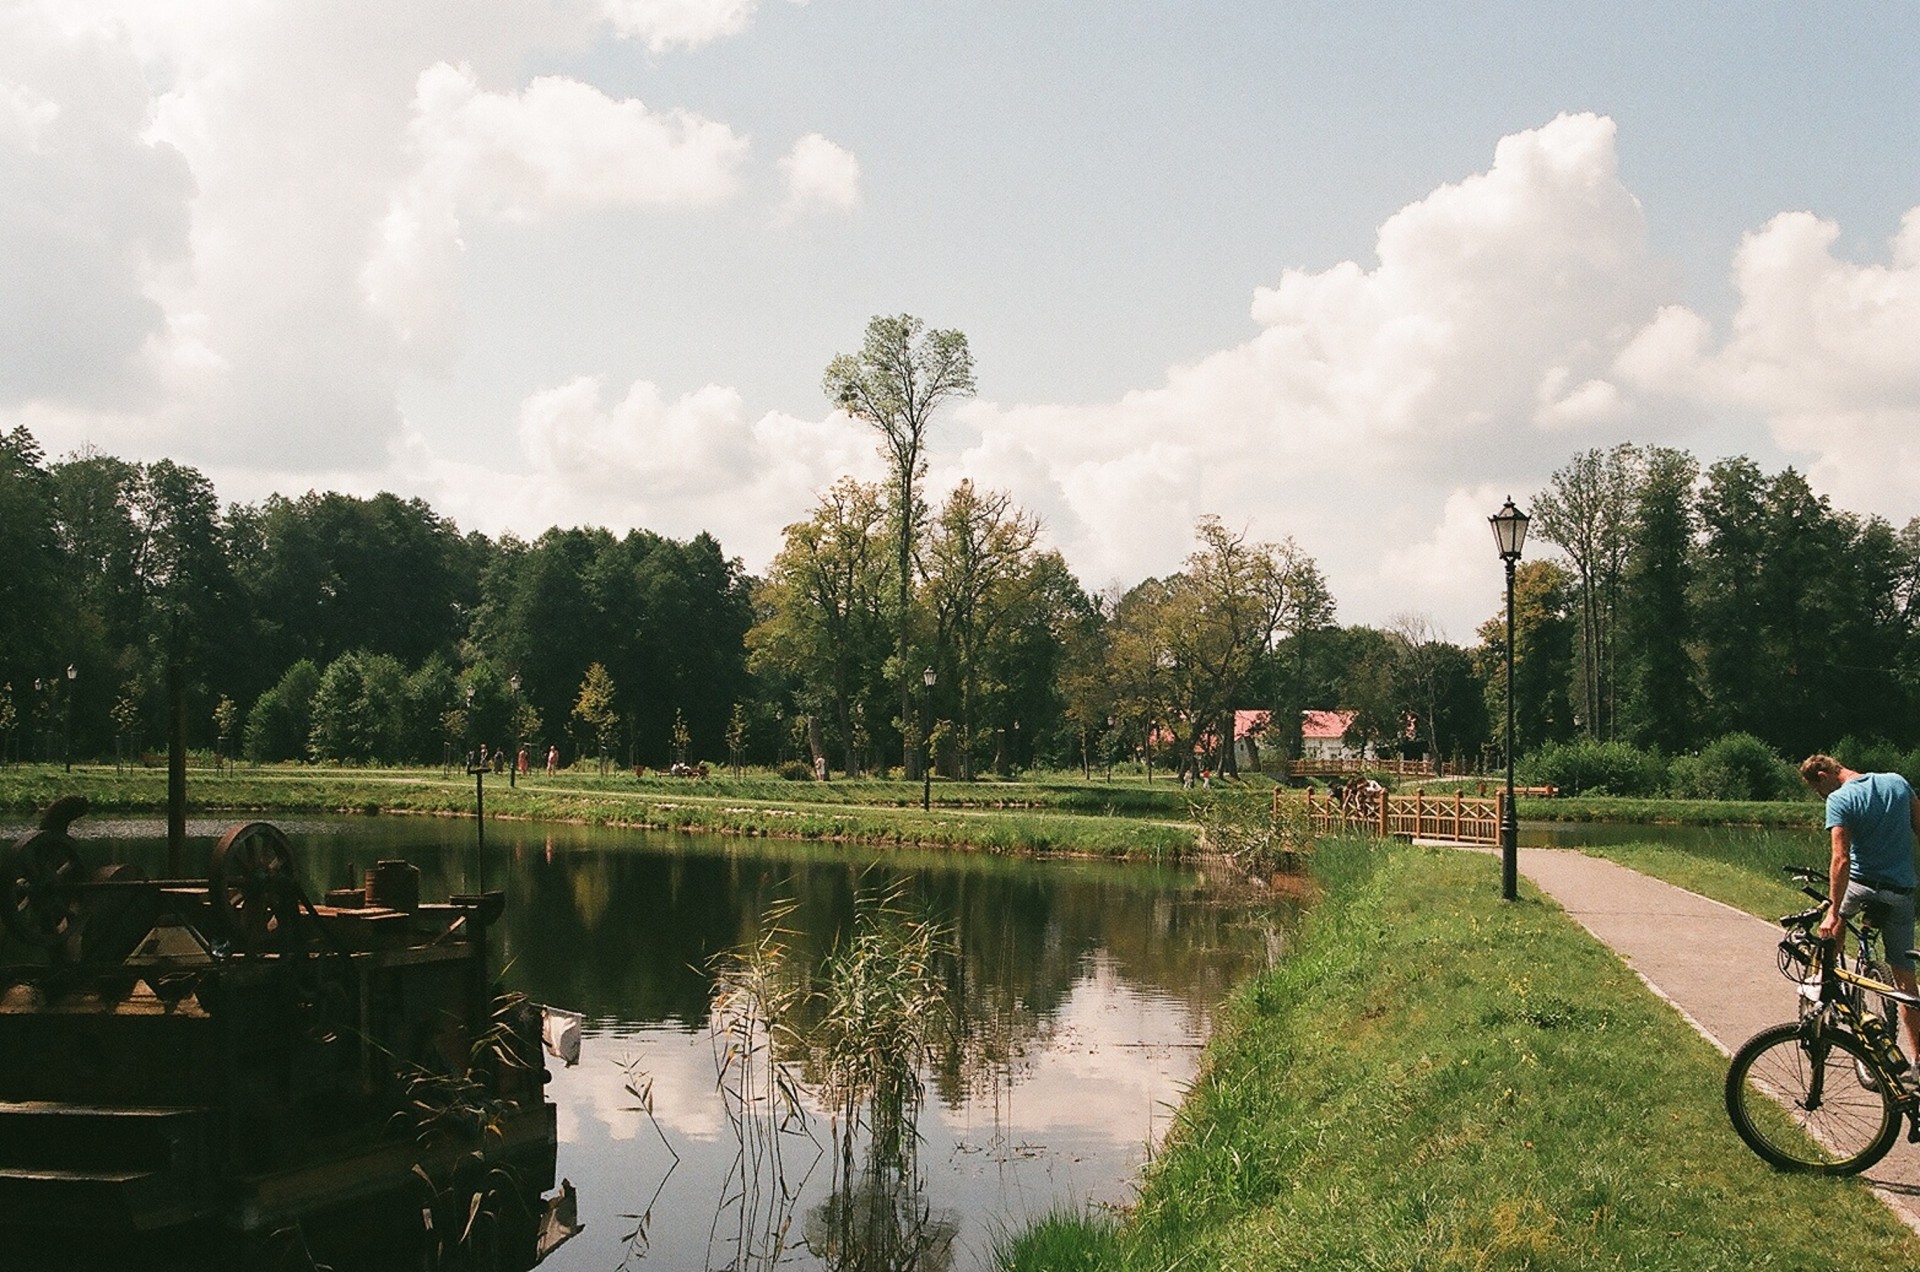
<point x="1456" y="818"/>
<point x="210" y="1072"/>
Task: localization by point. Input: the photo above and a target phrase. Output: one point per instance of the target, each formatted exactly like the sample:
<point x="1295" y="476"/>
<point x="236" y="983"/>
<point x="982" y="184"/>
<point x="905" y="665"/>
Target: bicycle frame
<point x="1830" y="996"/>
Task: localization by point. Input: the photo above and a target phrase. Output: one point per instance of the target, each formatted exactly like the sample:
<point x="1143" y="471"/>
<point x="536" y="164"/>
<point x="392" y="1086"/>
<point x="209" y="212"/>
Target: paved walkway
<point x="1714" y="963"/>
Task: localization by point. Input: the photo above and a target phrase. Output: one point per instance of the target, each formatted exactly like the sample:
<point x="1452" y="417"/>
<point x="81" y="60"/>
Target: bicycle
<point x="1837" y="1071"/>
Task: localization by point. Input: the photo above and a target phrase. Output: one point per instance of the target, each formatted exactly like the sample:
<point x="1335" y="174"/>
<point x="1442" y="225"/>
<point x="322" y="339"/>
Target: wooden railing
<point x="1463" y="819"/>
<point x="1340" y="768"/>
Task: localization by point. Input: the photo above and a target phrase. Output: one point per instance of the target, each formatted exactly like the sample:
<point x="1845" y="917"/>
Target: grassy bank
<point x="1435" y="1079"/>
<point x="768" y="807"/>
<point x="1783" y="814"/>
<point x="1740" y="871"/>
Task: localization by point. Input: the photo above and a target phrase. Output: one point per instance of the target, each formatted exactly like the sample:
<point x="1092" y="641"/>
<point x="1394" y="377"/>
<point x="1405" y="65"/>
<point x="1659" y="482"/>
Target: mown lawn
<point x="995" y="817"/>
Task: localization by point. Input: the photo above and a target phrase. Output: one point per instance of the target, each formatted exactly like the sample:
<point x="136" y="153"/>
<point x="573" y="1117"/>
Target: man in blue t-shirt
<point x="1873" y="819"/>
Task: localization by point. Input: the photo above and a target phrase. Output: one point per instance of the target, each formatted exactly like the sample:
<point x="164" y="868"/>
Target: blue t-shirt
<point x="1876" y="809"/>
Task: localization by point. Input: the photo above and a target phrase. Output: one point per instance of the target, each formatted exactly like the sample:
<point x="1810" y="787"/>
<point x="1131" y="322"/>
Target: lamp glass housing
<point x="1509" y="530"/>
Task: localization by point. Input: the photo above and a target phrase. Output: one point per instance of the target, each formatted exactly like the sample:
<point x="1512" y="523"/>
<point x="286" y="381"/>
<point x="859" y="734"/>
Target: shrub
<point x="1738" y="766"/>
<point x="1586" y="767"/>
<point x="1876" y="757"/>
<point x="796" y="771"/>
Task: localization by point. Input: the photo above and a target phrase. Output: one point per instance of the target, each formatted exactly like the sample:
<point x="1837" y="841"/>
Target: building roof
<point x="1330" y="725"/>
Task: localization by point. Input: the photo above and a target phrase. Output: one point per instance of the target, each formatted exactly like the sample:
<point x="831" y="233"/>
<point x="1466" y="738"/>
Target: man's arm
<point x="1837" y="872"/>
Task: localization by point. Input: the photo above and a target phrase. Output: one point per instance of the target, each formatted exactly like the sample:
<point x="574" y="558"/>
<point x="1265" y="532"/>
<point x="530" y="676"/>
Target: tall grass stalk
<point x="885" y="1005"/>
<point x="754" y="1000"/>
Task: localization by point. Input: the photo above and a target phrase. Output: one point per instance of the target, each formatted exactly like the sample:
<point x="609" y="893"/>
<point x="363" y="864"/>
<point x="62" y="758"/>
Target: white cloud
<point x="1820" y="347"/>
<point x="93" y="207"/>
<point x="819" y="176"/>
<point x="1370" y="416"/>
<point x="667" y="24"/>
<point x="676" y="466"/>
<point x="557" y="147"/>
<point x="232" y="231"/>
<point x="25" y="117"/>
<point x="1482" y="340"/>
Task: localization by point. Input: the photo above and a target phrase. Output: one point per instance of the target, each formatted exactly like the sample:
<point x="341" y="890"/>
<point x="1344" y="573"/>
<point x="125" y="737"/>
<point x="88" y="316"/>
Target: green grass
<point x="1436" y="1079"/>
<point x="1785" y="814"/>
<point x="874" y="814"/>
<point x="1743" y="874"/>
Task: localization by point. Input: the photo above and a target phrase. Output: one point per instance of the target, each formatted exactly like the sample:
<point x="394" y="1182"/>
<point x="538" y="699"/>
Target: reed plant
<point x="756" y="997"/>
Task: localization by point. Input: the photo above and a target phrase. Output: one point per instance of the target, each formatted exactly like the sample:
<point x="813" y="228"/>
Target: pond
<point x="1081" y="994"/>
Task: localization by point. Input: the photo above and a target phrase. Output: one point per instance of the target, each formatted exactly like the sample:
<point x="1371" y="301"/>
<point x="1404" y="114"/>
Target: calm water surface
<point x="1083" y="994"/>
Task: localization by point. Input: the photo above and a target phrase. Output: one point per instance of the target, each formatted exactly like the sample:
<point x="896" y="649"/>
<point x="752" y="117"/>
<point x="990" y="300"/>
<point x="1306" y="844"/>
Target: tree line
<point x="1692" y="603"/>
<point x="1670" y="605"/>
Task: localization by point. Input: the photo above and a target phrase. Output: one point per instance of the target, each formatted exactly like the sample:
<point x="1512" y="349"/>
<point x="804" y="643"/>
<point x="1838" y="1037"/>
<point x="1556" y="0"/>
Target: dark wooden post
<point x="176" y="771"/>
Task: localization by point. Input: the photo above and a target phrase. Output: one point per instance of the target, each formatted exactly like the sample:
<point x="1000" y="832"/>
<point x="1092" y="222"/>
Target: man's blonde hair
<point x="1818" y="766"/>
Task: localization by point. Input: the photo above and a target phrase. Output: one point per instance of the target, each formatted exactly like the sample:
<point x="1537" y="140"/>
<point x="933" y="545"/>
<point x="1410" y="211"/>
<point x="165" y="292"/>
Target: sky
<point x="1347" y="273"/>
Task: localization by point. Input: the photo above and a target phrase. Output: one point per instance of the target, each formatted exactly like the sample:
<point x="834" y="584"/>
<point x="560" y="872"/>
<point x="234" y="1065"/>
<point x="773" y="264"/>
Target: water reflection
<point x="1079" y="994"/>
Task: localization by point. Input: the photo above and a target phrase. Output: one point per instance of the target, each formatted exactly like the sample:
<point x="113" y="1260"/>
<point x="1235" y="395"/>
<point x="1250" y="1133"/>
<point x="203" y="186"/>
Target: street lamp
<point x="66" y="721"/>
<point x="926" y="742"/>
<point x="513" y="761"/>
<point x="1510" y="533"/>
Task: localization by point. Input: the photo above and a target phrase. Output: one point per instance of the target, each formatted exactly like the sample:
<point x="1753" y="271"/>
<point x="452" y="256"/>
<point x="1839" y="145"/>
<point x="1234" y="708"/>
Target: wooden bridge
<point x="1463" y="819"/>
<point x="1342" y="768"/>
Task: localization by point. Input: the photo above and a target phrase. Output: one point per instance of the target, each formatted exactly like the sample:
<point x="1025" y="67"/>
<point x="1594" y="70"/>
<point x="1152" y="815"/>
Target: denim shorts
<point x="1891" y="912"/>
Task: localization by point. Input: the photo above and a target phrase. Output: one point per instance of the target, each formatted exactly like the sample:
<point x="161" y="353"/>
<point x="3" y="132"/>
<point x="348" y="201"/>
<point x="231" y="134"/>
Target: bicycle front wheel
<point x="1798" y="1103"/>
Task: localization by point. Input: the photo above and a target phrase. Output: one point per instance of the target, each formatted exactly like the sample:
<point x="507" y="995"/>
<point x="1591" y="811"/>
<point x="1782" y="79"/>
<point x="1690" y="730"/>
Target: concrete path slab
<point x="1714" y="963"/>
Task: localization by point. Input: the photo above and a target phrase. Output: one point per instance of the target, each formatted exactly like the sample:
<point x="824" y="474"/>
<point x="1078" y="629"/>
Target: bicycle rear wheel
<point x="1832" y="1123"/>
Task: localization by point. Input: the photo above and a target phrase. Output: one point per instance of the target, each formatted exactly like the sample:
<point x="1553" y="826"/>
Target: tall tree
<point x="328" y="573"/>
<point x="1586" y="511"/>
<point x="1656" y="619"/>
<point x="1728" y="603"/>
<point x="979" y="563"/>
<point x="822" y="608"/>
<point x="1543" y="652"/>
<point x="1195" y="642"/>
<point x="31" y="603"/>
<point x="900" y="377"/>
<point x="595" y="710"/>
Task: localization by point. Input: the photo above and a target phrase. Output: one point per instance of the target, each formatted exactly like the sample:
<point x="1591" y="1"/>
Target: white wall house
<point x="1323" y="736"/>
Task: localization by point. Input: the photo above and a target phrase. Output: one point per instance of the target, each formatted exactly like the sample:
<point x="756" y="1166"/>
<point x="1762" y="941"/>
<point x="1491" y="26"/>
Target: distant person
<point x="553" y="760"/>
<point x="1872" y="819"/>
<point x="521" y="763"/>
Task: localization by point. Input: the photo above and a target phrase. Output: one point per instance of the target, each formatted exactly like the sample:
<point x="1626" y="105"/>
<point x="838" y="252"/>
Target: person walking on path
<point x="1872" y="818"/>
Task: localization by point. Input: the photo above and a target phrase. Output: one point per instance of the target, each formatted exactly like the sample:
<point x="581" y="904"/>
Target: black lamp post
<point x="926" y="742"/>
<point x="66" y="721"/>
<point x="513" y="761"/>
<point x="1510" y="533"/>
